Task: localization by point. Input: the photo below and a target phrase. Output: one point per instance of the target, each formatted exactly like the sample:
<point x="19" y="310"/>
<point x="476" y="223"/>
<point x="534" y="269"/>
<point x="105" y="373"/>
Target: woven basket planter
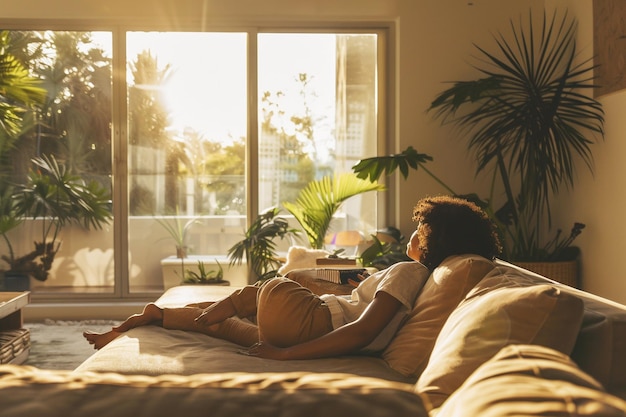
<point x="565" y="272"/>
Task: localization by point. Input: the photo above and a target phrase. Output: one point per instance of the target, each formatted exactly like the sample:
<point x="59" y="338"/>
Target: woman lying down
<point x="288" y="321"/>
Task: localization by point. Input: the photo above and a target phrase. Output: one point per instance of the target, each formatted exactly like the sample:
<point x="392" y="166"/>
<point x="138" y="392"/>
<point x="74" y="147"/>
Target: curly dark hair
<point x="453" y="226"/>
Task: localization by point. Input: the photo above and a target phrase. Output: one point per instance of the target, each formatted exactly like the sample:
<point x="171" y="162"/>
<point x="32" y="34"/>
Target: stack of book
<point x="339" y="276"/>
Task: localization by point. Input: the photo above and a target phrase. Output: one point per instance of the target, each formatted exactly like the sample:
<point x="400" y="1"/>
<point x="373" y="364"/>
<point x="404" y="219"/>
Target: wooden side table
<point x="14" y="339"/>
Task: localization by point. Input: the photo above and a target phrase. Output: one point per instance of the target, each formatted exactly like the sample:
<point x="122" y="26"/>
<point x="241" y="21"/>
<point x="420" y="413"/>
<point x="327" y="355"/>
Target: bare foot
<point x="151" y="314"/>
<point x="100" y="340"/>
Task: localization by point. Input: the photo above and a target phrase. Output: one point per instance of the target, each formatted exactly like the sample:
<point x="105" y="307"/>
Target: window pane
<point x="317" y="116"/>
<point x="70" y="125"/>
<point x="187" y="112"/>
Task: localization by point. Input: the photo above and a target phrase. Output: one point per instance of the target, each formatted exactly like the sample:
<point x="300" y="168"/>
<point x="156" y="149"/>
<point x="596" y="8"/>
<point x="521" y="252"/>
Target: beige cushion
<point x="30" y="392"/>
<point x="504" y="308"/>
<point x="524" y="380"/>
<point x="599" y="349"/>
<point x="408" y="352"/>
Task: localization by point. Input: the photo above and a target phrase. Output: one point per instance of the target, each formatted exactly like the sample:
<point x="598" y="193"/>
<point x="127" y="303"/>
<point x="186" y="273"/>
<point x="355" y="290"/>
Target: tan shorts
<point x="289" y="314"/>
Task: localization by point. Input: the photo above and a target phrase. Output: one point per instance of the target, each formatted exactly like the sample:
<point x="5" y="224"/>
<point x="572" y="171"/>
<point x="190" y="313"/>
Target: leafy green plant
<point x="57" y="198"/>
<point x="258" y="247"/>
<point x="382" y="254"/>
<point x="9" y="219"/>
<point x="203" y="276"/>
<point x="178" y="232"/>
<point x="527" y="118"/>
<point x="19" y="93"/>
<point x="319" y="200"/>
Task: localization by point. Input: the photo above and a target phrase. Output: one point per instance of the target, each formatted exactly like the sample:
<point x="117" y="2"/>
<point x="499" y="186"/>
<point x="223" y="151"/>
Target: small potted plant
<point x="178" y="232"/>
<point x="204" y="277"/>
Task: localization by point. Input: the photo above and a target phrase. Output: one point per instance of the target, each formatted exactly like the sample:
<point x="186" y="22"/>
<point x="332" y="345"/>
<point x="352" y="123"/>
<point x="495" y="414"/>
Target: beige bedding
<point x="152" y="350"/>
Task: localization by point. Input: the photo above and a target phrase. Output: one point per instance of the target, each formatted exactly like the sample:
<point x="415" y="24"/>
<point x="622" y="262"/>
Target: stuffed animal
<point x="299" y="257"/>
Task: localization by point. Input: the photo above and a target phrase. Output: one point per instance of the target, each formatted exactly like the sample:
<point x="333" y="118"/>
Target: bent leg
<point x="289" y="314"/>
<point x="245" y="301"/>
<point x="231" y="329"/>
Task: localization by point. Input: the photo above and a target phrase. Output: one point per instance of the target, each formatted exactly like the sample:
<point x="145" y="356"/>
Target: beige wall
<point x="598" y="199"/>
<point x="434" y="45"/>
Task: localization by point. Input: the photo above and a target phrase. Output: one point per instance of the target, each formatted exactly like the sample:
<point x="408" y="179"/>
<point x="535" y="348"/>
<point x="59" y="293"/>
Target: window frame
<point x="386" y="121"/>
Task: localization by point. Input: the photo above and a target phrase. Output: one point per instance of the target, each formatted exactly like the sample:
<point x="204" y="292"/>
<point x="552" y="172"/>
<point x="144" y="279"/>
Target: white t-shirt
<point x="403" y="281"/>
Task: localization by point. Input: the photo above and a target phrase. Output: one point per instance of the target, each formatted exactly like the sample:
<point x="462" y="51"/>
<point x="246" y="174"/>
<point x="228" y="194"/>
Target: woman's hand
<point x="358" y="280"/>
<point x="266" y="351"/>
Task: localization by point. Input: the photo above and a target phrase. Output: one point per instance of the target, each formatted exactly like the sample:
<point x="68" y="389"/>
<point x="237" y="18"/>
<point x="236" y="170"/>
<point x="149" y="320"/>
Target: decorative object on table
<point x="340" y="275"/>
<point x="334" y="260"/>
<point x="300" y="257"/>
<point x="526" y="120"/>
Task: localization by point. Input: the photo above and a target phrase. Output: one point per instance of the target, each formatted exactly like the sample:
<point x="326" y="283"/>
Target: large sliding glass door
<point x="200" y="133"/>
<point x="70" y="126"/>
<point x="187" y="119"/>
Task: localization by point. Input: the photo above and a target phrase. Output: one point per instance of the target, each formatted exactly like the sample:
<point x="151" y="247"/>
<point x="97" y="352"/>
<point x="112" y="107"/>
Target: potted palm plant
<point x="317" y="203"/>
<point x="314" y="209"/>
<point x="528" y="117"/>
<point x="55" y="198"/>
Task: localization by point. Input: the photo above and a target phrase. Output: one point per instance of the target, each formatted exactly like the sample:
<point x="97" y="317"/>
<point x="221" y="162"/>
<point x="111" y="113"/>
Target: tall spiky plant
<point x="530" y="116"/>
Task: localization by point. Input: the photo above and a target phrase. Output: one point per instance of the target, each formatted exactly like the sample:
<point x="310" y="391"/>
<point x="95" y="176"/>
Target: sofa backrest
<point x="601" y="342"/>
<point x="504" y="308"/>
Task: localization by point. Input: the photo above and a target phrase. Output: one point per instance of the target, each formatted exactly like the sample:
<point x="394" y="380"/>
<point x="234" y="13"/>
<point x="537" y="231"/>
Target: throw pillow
<point x="531" y="380"/>
<point x="505" y="308"/>
<point x="410" y="348"/>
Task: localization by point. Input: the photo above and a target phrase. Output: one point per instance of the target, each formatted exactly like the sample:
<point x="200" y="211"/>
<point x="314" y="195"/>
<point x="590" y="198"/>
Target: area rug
<point x="60" y="344"/>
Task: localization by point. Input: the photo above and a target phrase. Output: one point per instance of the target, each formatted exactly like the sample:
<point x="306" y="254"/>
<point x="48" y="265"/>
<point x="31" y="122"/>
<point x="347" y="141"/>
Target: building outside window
<point x="196" y="129"/>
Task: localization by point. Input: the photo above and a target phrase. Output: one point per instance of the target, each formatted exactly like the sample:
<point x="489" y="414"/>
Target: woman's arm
<point x="344" y="340"/>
